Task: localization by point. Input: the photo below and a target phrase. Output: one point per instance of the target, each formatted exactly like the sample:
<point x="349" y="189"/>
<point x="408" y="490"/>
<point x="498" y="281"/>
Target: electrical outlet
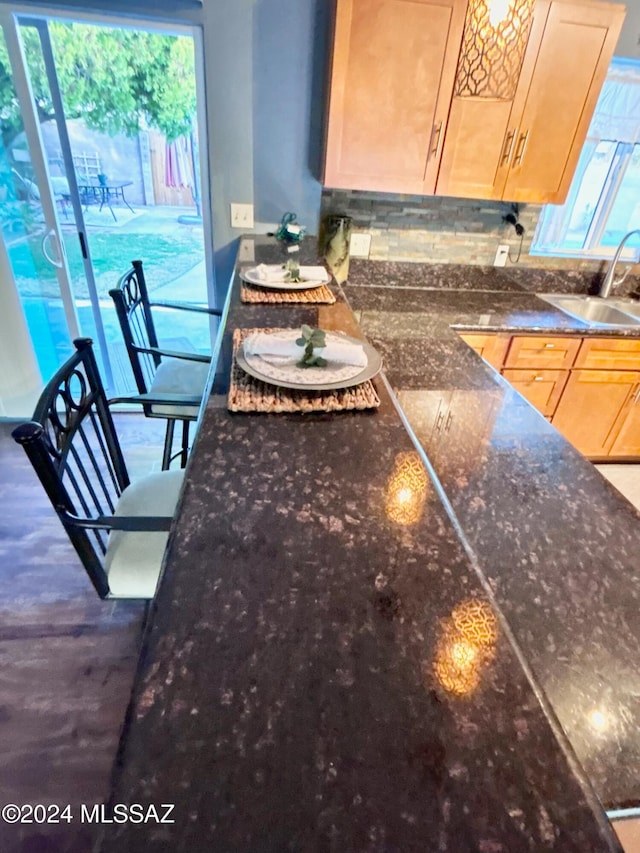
<point x="247" y="250"/>
<point x="360" y="244"/>
<point x="502" y="253"/>
<point x="241" y="215"/>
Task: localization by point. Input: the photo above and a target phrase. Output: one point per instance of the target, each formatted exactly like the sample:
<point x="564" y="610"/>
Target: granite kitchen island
<point x="324" y="670"/>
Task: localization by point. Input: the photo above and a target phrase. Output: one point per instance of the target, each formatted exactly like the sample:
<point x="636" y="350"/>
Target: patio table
<point x="104" y="194"/>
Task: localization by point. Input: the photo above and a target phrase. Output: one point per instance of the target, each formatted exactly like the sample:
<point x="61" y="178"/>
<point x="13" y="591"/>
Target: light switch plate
<point x="241" y="215"/>
<point x="359" y="245"/>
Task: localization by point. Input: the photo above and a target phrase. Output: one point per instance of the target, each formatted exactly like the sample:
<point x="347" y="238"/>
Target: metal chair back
<point x="74" y="449"/>
<point x="131" y="300"/>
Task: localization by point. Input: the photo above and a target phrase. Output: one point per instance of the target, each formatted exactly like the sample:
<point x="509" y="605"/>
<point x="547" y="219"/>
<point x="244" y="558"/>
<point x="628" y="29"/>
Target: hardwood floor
<point x="67" y="659"/>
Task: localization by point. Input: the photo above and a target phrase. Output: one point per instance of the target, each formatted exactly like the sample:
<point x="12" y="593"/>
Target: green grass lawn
<point x="165" y="259"/>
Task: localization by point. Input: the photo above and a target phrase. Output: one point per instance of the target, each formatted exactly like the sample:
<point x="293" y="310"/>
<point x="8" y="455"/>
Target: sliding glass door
<point x="30" y="223"/>
<point x="99" y="165"/>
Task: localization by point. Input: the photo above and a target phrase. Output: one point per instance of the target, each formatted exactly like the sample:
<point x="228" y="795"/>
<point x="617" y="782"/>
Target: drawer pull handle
<point x="507" y="148"/>
<point x="522" y="144"/>
<point x="439" y="420"/>
<point x="437" y="136"/>
<point x="538" y="378"/>
<point x="447" y="426"/>
<point x="549" y="346"/>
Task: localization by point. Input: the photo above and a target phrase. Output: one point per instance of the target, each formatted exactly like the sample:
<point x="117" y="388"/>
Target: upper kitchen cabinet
<point x="462" y="99"/>
<point x="392" y="75"/>
<point x="522" y="143"/>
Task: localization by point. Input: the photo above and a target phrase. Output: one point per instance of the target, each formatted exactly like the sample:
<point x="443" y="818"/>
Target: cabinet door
<point x="392" y="78"/>
<point x="590" y="406"/>
<point x="542" y="388"/>
<point x="481" y="132"/>
<point x="627" y="440"/>
<point x="559" y="98"/>
<point x="542" y="352"/>
<point x="492" y="348"/>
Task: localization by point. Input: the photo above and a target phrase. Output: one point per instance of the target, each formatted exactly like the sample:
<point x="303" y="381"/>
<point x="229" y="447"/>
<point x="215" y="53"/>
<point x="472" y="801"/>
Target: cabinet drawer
<point x="542" y="388"/>
<point x="492" y="348"/>
<point x="543" y="352"/>
<point x="609" y="354"/>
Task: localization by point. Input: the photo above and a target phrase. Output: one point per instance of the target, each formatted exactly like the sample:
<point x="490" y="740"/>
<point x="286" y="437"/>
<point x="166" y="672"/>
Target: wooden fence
<point x="164" y="194"/>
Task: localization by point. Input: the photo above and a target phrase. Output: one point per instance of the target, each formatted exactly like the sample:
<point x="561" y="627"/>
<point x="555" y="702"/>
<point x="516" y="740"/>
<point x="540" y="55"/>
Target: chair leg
<point x="168" y="444"/>
<point x="185" y="444"/>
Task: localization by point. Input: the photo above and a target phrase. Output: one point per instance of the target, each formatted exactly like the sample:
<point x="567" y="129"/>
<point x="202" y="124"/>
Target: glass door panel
<point x="124" y="180"/>
<point x="30" y="227"/>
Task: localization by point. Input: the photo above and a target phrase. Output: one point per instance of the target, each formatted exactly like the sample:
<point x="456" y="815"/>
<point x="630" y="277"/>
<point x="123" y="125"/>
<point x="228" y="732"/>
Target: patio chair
<point x="118" y="529"/>
<point x="156" y="370"/>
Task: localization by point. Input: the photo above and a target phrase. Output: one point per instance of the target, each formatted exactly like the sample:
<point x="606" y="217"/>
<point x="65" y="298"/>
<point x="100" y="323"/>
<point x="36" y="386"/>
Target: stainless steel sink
<point x="629" y="306"/>
<point x="594" y="310"/>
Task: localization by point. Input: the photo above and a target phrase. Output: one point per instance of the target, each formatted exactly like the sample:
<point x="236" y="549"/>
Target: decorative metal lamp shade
<point x="493" y="45"/>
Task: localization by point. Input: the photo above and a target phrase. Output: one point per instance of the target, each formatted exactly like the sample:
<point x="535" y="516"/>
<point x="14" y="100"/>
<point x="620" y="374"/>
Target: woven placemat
<point x="247" y="394"/>
<point x="315" y="295"/>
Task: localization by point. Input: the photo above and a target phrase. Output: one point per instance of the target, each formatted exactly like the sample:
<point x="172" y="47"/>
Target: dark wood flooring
<point x="67" y="659"/>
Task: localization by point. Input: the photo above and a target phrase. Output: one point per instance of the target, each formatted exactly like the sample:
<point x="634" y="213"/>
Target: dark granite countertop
<point x="557" y="543"/>
<point x="347" y="655"/>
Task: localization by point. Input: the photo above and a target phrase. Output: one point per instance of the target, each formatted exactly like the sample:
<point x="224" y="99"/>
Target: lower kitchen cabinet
<point x="493" y="348"/>
<point x="589" y="388"/>
<point x="542" y="388"/>
<point x="540" y="352"/>
<point x="627" y="430"/>
<point x="590" y="407"/>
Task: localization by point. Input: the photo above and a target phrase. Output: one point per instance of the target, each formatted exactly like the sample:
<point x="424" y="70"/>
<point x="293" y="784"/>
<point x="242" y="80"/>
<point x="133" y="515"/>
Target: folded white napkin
<point x="314" y="273"/>
<point x="275" y="272"/>
<point x="266" y="272"/>
<point x="275" y="346"/>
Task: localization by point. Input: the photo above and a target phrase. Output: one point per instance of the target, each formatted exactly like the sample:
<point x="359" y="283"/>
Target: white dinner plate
<point x="311" y="374"/>
<point x="251" y="275"/>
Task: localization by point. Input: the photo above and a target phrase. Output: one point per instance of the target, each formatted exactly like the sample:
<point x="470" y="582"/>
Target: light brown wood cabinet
<point x="527" y="149"/>
<point x="588" y="387"/>
<point x="542" y="388"/>
<point x="590" y="408"/>
<point x="392" y="76"/>
<point x="492" y="347"/>
<point x="627" y="428"/>
<point x="542" y="352"/>
<point x="395" y="125"/>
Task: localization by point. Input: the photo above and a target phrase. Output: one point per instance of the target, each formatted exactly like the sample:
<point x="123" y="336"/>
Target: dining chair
<point x="157" y="370"/>
<point x="119" y="529"/>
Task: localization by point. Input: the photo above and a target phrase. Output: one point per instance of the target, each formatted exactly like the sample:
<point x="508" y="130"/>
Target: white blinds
<point x="617" y="114"/>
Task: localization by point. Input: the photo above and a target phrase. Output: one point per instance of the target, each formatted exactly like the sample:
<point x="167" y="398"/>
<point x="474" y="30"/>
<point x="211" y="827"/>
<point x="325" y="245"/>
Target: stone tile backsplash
<point x="442" y="230"/>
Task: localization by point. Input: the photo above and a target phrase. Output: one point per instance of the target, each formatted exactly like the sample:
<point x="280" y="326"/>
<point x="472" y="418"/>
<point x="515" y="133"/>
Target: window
<point x="604" y="200"/>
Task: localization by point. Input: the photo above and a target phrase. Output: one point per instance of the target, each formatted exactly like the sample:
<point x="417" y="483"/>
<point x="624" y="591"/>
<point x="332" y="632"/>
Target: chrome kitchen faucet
<point x="608" y="281"/>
